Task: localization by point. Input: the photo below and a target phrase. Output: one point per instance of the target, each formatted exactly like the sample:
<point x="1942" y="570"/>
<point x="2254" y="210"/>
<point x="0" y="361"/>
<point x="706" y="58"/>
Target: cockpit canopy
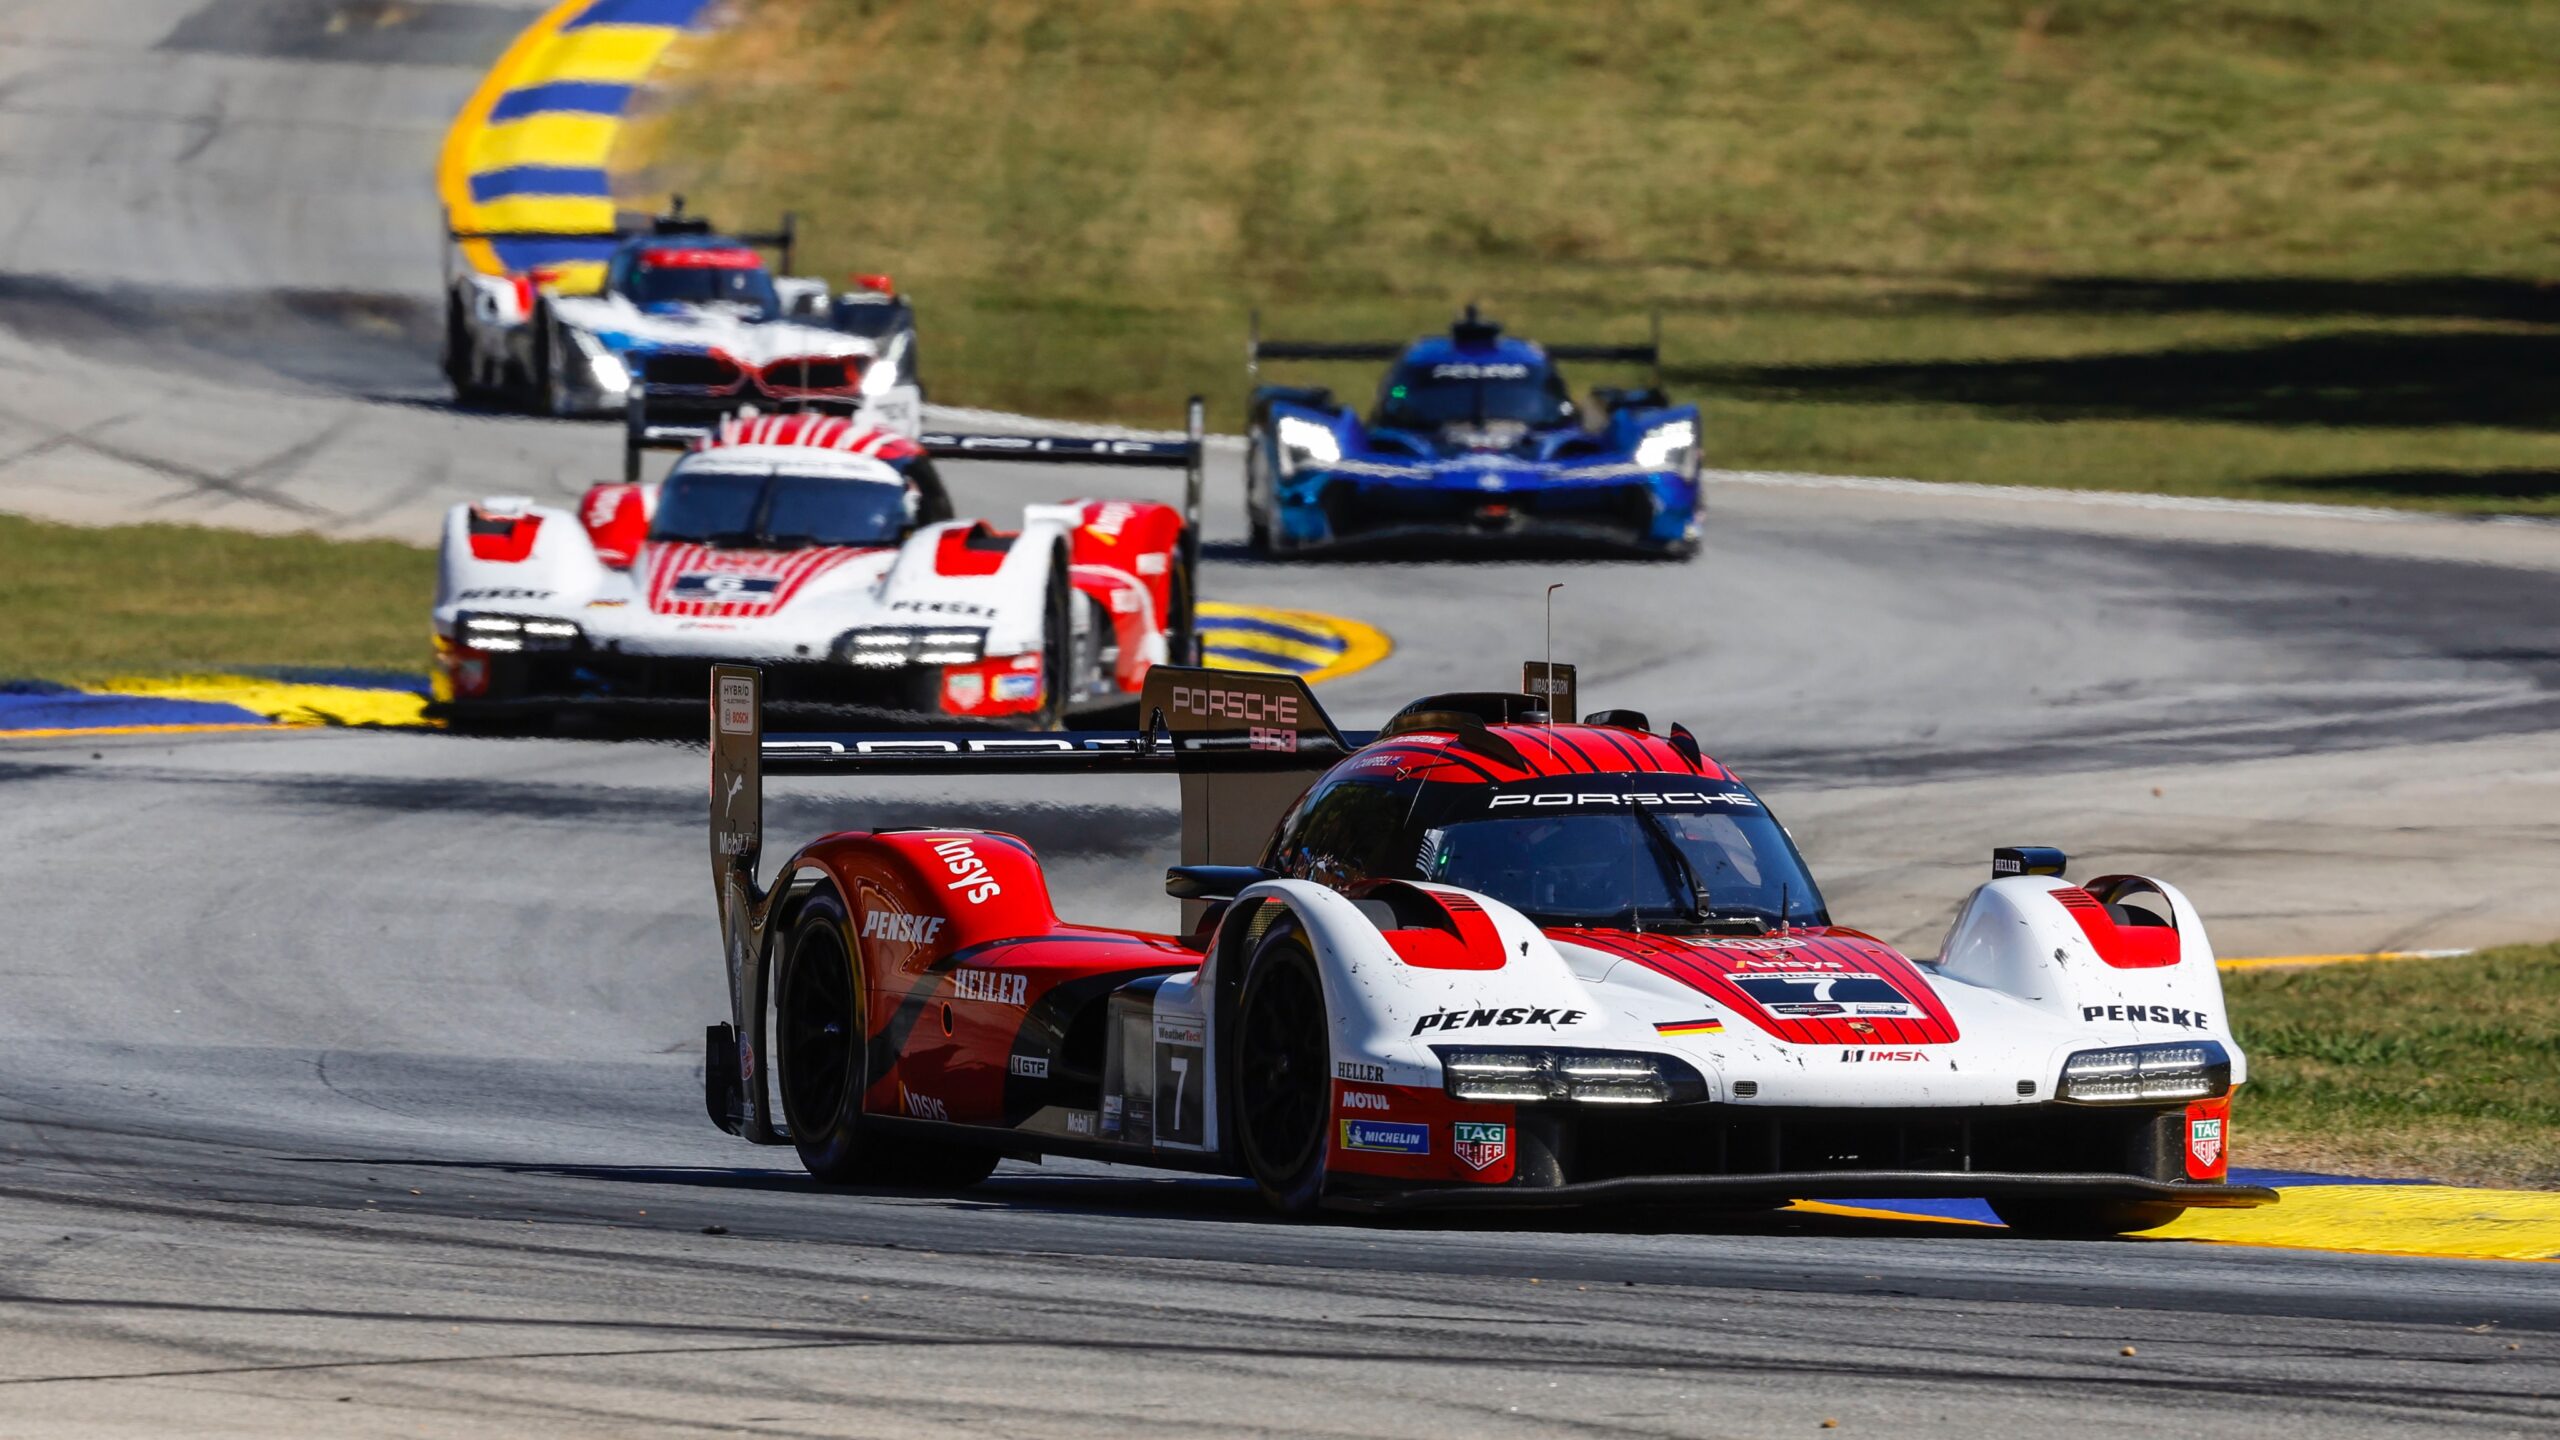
<point x="1633" y="850"/>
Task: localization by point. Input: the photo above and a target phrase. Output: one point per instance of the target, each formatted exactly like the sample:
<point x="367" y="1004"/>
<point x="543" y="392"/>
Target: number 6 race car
<point x="1484" y="960"/>
<point x="827" y="552"/>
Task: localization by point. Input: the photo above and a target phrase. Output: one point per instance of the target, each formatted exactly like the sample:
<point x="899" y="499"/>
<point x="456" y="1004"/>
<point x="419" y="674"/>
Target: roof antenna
<point x="1551" y="652"/>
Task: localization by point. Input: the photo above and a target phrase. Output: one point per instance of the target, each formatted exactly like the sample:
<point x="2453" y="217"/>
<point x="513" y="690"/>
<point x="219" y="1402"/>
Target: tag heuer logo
<point x="1481" y="1146"/>
<point x="2204" y="1141"/>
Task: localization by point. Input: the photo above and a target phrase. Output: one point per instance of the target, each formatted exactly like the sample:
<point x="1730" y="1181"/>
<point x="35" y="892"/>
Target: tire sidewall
<point x="1298" y="1192"/>
<point x="828" y="1145"/>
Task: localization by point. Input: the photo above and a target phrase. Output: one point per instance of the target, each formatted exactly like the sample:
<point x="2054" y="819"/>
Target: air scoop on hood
<point x="1479" y="436"/>
<point x="1806" y="989"/>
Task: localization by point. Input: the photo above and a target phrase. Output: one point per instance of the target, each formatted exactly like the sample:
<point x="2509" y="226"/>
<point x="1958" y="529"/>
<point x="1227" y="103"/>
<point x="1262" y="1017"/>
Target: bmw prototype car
<point x="1474" y="439"/>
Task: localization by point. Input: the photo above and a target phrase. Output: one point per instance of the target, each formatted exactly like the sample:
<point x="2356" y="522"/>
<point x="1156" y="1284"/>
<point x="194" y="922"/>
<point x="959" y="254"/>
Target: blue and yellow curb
<point x="1313" y="646"/>
<point x="2317" y="1212"/>
<point x="528" y="150"/>
<point x="190" y="704"/>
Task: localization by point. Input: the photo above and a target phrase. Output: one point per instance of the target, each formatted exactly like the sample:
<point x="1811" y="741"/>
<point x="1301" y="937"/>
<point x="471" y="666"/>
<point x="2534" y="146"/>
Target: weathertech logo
<point x="992" y="987"/>
<point x="891" y="925"/>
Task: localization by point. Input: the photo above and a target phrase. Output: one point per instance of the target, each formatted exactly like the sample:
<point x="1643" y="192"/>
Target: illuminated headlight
<point x="1303" y="442"/>
<point x="880" y="376"/>
<point x="610" y="372"/>
<point x="1588" y="1077"/>
<point x="2187" y="1070"/>
<point x="1669" y="447"/>
<point x="504" y="634"/>
<point x="886" y="648"/>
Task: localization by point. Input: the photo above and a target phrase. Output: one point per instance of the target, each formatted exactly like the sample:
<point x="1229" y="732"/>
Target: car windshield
<point x="761" y="510"/>
<point x="747" y="290"/>
<point x="1655" y="866"/>
<point x="1429" y="396"/>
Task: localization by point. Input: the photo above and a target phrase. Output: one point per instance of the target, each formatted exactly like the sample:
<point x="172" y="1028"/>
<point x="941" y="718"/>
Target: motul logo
<point x="1365" y="1100"/>
<point x="976" y="883"/>
<point x="891" y="925"/>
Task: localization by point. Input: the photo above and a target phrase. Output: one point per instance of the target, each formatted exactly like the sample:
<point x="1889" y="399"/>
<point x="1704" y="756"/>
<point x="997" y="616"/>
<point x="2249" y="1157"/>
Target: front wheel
<point x="1284" y="1074"/>
<point x="2085" y="1219"/>
<point x="822" y="1058"/>
<point x="1058" y="675"/>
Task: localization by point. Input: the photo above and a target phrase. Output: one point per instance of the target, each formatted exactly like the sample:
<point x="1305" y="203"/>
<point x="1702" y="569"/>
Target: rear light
<point x="876" y="284"/>
<point x="507" y="634"/>
<point x="886" y="647"/>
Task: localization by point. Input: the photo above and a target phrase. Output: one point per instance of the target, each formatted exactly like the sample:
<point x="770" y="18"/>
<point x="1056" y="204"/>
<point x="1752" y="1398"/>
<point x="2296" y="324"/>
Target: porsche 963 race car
<point x="1474" y="439"/>
<point x="689" y="312"/>
<point x="1481" y="960"/>
<point x="828" y="552"/>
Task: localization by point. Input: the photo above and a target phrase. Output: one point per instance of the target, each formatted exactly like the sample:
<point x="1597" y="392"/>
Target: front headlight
<point x="1668" y="447"/>
<point x="886" y="647"/>
<point x="2132" y="1074"/>
<point x="880" y="377"/>
<point x="1589" y="1077"/>
<point x="505" y="634"/>
<point x="1303" y="442"/>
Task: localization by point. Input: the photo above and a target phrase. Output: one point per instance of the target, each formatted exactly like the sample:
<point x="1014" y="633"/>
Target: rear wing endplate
<point x="1257" y="349"/>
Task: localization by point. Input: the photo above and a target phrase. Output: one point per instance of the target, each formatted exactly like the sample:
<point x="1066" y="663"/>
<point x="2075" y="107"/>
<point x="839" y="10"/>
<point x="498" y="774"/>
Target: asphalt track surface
<point x="349" y="1082"/>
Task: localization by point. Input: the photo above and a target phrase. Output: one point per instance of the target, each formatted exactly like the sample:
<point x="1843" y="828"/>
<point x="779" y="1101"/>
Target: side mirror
<point x="2028" y="860"/>
<point x="1213" y="882"/>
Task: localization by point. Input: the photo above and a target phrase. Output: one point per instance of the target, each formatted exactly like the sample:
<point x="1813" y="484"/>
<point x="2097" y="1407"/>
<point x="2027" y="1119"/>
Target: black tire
<point x="1284" y="1074"/>
<point x="1257" y="521"/>
<point x="821" y="1059"/>
<point x="540" y="401"/>
<point x="2085" y="1219"/>
<point x="457" y="352"/>
<point x="1057" y="647"/>
<point x="1182" y="614"/>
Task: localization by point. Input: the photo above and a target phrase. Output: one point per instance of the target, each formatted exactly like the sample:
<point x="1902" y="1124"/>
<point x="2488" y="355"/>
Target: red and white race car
<point x="1481" y="960"/>
<point x="826" y="552"/>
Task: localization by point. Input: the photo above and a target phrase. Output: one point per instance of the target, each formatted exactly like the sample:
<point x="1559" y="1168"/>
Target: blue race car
<point x="1475" y="438"/>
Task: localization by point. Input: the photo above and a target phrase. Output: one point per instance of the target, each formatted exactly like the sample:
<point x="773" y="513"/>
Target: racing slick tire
<point x="1058" y="675"/>
<point x="1258" y="501"/>
<point x="2084" y="1219"/>
<point x="1284" y="1073"/>
<point x="547" y="397"/>
<point x="821" y="1043"/>
<point x="457" y="352"/>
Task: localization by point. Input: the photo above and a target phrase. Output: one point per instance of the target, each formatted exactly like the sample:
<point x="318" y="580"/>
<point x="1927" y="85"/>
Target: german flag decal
<point x="1708" y="1026"/>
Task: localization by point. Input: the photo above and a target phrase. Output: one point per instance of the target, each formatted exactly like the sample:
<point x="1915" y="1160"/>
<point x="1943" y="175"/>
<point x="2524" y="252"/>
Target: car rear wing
<point x="783" y="239"/>
<point x="686" y="428"/>
<point x="1257" y="349"/>
<point x="1245" y="744"/>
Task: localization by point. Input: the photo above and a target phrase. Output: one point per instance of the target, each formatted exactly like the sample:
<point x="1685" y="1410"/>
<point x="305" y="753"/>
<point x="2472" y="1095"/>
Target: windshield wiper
<point x="1690" y="884"/>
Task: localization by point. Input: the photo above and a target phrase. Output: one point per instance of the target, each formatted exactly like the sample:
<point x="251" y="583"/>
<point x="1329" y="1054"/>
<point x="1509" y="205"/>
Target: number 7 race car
<point x="827" y="552"/>
<point x="1483" y="960"/>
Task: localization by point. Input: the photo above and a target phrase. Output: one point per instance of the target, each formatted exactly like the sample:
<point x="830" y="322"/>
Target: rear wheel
<point x="1257" y="520"/>
<point x="2085" y="1219"/>
<point x="1284" y="1074"/>
<point x="1057" y="647"/>
<point x="457" y="351"/>
<point x="822" y="1042"/>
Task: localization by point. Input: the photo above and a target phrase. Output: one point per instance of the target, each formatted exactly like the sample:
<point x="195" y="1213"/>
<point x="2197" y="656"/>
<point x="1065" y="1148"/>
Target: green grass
<point x="2277" y="248"/>
<point x="2448" y="1068"/>
<point x="81" y="604"/>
